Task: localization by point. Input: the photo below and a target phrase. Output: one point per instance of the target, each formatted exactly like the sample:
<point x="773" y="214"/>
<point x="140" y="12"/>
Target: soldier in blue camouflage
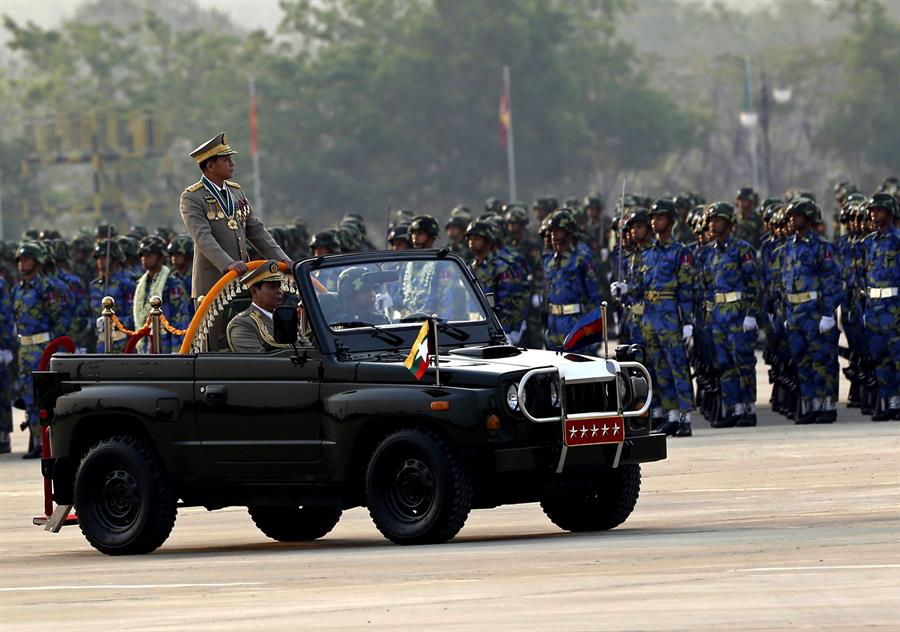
<point x="159" y="280"/>
<point x="76" y="306"/>
<point x="7" y="344"/>
<point x="572" y="283"/>
<point x="666" y="290"/>
<point x="430" y="287"/>
<point x="734" y="293"/>
<point x="460" y="217"/>
<point x="117" y="283"/>
<point x="529" y="246"/>
<point x="36" y="309"/>
<point x="882" y="314"/>
<point x="496" y="275"/>
<point x="749" y="223"/>
<point x="811" y="284"/>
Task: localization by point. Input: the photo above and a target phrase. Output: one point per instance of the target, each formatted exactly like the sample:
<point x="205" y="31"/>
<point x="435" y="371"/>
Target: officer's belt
<point x="802" y="297"/>
<point x="728" y="297"/>
<point x="565" y="310"/>
<point x="637" y="309"/>
<point x="34" y="339"/>
<point x="883" y="292"/>
<point x="658" y="296"/>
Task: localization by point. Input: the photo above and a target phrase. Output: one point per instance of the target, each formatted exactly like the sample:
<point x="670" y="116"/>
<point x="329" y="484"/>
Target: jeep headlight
<point x="512" y="396"/>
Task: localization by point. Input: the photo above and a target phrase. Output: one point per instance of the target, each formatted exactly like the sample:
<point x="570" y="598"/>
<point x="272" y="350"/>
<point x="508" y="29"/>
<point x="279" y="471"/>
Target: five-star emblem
<point x="605" y="429"/>
<point x="594" y="430"/>
<point x="584" y="431"/>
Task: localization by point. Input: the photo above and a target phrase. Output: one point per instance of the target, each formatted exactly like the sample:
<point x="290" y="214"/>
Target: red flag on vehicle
<point x="587" y="331"/>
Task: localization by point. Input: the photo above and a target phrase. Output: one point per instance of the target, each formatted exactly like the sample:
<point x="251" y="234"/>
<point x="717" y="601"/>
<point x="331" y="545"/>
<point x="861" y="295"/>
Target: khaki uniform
<point x="215" y="244"/>
<point x="251" y="332"/>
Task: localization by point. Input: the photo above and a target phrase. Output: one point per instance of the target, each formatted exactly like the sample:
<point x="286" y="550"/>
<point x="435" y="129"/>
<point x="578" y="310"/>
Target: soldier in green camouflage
<point x="749" y="224"/>
<point x="530" y="247"/>
<point x="496" y="275"/>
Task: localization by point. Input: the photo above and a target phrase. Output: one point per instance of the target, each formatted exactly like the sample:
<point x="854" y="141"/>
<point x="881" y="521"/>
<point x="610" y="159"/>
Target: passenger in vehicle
<point x="251" y="330"/>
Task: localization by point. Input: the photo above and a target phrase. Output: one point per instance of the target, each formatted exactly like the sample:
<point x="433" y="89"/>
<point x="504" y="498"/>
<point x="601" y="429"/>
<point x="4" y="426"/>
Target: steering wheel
<point x="409" y="318"/>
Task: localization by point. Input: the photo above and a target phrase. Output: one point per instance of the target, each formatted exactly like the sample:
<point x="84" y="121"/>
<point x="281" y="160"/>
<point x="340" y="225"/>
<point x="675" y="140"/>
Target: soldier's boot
<point x="684" y="426"/>
<point x="894" y="405"/>
<point x="670" y="425"/>
<point x="853" y="400"/>
<point x="657" y="418"/>
<point x="748" y="419"/>
<point x="34" y="444"/>
<point x="810" y="411"/>
<point x="731" y="419"/>
<point x="5" y="444"/>
<point x="886" y="409"/>
<point x="828" y="414"/>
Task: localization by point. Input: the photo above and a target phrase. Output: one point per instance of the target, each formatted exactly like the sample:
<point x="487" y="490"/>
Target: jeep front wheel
<point x="123" y="497"/>
<point x="295" y="524"/>
<point x="417" y="489"/>
<point x="603" y="505"/>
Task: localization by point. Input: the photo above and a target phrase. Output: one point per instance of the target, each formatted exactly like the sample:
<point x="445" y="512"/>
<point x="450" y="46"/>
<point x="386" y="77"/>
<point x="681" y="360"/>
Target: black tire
<point x="605" y="505"/>
<point x="295" y="524"/>
<point x="417" y="489"/>
<point x="123" y="497"/>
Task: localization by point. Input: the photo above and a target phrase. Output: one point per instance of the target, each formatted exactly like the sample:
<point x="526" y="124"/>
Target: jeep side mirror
<point x="490" y="299"/>
<point x="284" y="320"/>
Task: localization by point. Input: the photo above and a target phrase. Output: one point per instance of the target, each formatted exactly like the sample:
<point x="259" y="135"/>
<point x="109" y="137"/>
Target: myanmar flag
<point x="417" y="360"/>
<point x="587" y="331"/>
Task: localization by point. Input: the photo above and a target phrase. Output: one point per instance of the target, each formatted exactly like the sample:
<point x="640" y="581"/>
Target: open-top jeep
<point x="338" y="420"/>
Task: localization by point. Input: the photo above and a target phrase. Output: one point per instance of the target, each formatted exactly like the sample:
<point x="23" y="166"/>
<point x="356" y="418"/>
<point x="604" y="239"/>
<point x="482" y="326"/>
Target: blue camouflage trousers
<point x="6" y="424"/>
<point x="814" y="353"/>
<point x="558" y="326"/>
<point x="29" y="359"/>
<point x="661" y="330"/>
<point x="735" y="354"/>
<point x="883" y="329"/>
<point x="630" y="334"/>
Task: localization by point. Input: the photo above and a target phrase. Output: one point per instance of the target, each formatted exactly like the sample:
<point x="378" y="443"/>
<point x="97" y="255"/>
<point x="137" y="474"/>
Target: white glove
<point x="515" y="337"/>
<point x="826" y="324"/>
<point x="618" y="289"/>
<point x="750" y="323"/>
<point x="535" y="300"/>
<point x="81" y="350"/>
<point x="101" y="325"/>
<point x="384" y="301"/>
<point x="5" y="356"/>
<point x="604" y="255"/>
<point x="686" y="332"/>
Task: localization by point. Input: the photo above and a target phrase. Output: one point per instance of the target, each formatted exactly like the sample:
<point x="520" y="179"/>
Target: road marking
<point x="129" y="586"/>
<point x="766" y="569"/>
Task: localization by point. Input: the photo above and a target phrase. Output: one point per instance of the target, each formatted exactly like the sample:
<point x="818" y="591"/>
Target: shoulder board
<point x="194" y="187"/>
<point x="233" y="185"/>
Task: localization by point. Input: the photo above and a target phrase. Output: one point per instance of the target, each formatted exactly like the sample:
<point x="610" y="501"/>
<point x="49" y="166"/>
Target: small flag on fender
<point x="587" y="331"/>
<point x="418" y="359"/>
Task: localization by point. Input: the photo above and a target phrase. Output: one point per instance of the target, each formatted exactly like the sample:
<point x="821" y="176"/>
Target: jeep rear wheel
<point x="295" y="524"/>
<point x="417" y="489"/>
<point x="123" y="497"/>
<point x="603" y="505"/>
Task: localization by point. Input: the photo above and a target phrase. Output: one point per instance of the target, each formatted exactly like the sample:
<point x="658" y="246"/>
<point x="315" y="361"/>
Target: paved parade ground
<point x="773" y="527"/>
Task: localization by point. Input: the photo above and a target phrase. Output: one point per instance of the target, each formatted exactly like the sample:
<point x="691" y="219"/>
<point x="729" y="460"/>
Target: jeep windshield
<point x="378" y="302"/>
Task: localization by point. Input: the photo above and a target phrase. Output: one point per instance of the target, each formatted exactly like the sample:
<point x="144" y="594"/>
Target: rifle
<point x="619" y="239"/>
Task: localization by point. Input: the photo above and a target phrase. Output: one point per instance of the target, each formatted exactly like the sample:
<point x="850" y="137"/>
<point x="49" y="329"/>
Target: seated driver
<point x="251" y="330"/>
<point x="357" y="300"/>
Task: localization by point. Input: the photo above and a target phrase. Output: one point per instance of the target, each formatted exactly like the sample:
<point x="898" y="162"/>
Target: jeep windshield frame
<point x="365" y="340"/>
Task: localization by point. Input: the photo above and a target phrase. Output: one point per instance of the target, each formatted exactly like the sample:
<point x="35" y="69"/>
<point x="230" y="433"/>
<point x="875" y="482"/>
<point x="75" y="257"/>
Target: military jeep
<point x="336" y="419"/>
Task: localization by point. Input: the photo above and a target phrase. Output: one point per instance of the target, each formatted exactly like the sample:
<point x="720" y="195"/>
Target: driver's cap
<point x="266" y="272"/>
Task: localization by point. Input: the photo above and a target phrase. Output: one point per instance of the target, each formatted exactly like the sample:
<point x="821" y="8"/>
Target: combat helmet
<point x="151" y="244"/>
<point x="494" y="205"/>
<point x="637" y="215"/>
<point x="803" y="206"/>
<point x="325" y="239"/>
<point x="181" y="245"/>
<point x="33" y="249"/>
<point x="399" y="233"/>
<point x="562" y="219"/>
<point x="517" y="215"/>
<point x="481" y="228"/>
<point x="886" y="201"/>
<point x="721" y="209"/>
<point x="426" y="224"/>
<point x="664" y="206"/>
<point x="593" y="201"/>
<point x="351" y="280"/>
<point x="110" y="246"/>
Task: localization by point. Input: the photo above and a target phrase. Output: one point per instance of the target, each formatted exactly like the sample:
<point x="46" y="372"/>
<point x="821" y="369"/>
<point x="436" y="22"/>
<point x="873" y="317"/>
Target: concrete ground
<point x="765" y="528"/>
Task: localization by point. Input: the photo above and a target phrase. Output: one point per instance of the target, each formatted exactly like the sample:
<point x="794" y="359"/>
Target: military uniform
<point x="175" y="306"/>
<point x="7" y="344"/>
<point x="811" y="284"/>
<point x="573" y="289"/>
<point x="121" y="288"/>
<point x="495" y="274"/>
<point x="251" y="331"/>
<point x="882" y="312"/>
<point x="750" y="229"/>
<point x="221" y="222"/>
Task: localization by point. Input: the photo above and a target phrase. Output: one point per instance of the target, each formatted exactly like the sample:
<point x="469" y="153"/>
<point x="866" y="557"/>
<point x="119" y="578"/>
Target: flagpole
<point x="510" y="148"/>
<point x="432" y="335"/>
<point x="254" y="150"/>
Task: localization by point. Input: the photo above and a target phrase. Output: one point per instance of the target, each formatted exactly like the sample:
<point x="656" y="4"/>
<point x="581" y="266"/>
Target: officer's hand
<point x="383" y="301"/>
<point x="101" y="325"/>
<point x="686" y="332"/>
<point x="826" y="324"/>
<point x="237" y="266"/>
<point x="5" y="356"/>
<point x="535" y="300"/>
<point x="750" y="323"/>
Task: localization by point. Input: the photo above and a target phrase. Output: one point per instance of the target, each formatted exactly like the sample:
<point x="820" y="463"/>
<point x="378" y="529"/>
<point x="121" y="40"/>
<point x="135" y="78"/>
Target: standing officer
<point x="882" y="316"/>
<point x="735" y="303"/>
<point x="573" y="287"/>
<point x="666" y="289"/>
<point x="159" y="280"/>
<point x="220" y="220"/>
<point x="36" y="308"/>
<point x="7" y="343"/>
<point x="496" y="275"/>
<point x="811" y="285"/>
<point x="749" y="223"/>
